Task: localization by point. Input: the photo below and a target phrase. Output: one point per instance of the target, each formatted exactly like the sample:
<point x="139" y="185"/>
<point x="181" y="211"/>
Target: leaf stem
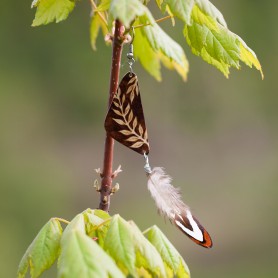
<point x="62" y="220"/>
<point x="99" y="13"/>
<point x="103" y="223"/>
<point x="157" y="21"/>
<point x="106" y="182"/>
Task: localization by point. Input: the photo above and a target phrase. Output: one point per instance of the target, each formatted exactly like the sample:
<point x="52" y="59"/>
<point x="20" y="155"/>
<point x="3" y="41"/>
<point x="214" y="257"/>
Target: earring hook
<point x="132" y="34"/>
<point x="130" y="55"/>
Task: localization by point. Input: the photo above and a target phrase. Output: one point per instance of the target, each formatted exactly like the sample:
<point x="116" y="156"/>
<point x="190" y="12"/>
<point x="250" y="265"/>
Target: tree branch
<point x="106" y="183"/>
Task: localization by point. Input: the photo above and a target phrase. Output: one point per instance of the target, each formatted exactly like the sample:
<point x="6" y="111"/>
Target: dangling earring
<point x="125" y="122"/>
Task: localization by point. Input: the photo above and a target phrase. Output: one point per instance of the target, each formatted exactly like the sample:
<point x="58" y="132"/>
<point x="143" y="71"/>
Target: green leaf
<point x="99" y="20"/>
<point x="169" y="254"/>
<point x="148" y="58"/>
<point x="158" y="46"/>
<point x="159" y="3"/>
<point x="102" y="214"/>
<point x="96" y="24"/>
<point x="92" y="220"/>
<point x="103" y="5"/>
<point x="208" y="36"/>
<point x="51" y="10"/>
<point x="209" y="9"/>
<point x="168" y="51"/>
<point x="181" y="9"/>
<point x="131" y="250"/>
<point x="97" y="213"/>
<point x="127" y="10"/>
<point x="97" y="223"/>
<point x="43" y="251"/>
<point x="76" y="224"/>
<point x="81" y="256"/>
<point x="248" y="56"/>
<point x="214" y="42"/>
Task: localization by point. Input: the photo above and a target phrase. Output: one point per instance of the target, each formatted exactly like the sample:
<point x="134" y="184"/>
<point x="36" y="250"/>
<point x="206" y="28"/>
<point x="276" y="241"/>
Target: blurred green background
<point x="216" y="137"/>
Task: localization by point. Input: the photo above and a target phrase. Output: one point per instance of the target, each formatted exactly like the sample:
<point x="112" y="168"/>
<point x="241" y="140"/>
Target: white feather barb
<point x="166" y="196"/>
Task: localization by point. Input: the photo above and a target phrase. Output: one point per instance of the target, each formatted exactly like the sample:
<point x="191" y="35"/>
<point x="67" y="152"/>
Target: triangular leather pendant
<point x="125" y="120"/>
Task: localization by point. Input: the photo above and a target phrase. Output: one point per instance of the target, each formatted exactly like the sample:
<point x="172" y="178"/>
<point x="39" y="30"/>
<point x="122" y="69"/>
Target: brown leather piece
<point x="125" y="121"/>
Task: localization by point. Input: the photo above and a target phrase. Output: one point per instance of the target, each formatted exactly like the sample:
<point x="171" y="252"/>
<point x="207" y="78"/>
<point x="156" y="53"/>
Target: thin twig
<point x="107" y="172"/>
<point x="157" y="21"/>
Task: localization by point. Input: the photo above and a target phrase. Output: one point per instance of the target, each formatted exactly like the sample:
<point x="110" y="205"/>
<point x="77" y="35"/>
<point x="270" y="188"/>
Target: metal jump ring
<point x="147" y="166"/>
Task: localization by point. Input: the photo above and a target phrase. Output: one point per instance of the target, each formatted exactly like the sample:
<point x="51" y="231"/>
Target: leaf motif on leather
<point x="125" y="120"/>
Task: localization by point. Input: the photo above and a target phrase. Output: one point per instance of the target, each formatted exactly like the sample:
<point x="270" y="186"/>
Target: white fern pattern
<point x="123" y="108"/>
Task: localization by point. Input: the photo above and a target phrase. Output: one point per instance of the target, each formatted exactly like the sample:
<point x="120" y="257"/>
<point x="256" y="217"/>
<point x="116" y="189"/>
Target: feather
<point x="169" y="203"/>
<point x="167" y="197"/>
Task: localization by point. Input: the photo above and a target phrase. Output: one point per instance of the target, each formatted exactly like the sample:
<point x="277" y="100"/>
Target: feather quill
<point x="169" y="203"/>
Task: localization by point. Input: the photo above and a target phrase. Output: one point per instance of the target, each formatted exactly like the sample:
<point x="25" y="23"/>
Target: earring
<point x="125" y="122"/>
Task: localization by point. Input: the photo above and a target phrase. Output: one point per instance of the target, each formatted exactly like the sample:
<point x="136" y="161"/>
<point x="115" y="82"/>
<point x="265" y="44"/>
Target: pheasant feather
<point x="169" y="203"/>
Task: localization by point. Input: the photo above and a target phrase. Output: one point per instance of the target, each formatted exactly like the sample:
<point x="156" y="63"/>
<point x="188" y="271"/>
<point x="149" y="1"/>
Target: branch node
<point x="97" y="186"/>
<point x="98" y="171"/>
<point x="116" y="172"/>
<point x="115" y="188"/>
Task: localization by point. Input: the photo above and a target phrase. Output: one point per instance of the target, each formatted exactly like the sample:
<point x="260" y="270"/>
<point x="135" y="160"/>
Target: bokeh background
<point x="217" y="137"/>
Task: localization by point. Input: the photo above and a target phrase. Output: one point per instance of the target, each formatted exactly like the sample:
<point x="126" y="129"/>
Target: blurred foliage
<point x="216" y="137"/>
<point x="205" y="30"/>
<point x="94" y="244"/>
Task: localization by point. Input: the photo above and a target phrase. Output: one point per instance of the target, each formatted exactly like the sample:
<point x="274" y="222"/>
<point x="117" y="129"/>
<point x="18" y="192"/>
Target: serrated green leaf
<point x="76" y="224"/>
<point x="94" y="218"/>
<point x="169" y="254"/>
<point x="119" y="244"/>
<point x="200" y="17"/>
<point x="158" y="46"/>
<point x="96" y="24"/>
<point x="82" y="257"/>
<point x="159" y="3"/>
<point x="209" y="9"/>
<point x="102" y="214"/>
<point x="172" y="15"/>
<point x="126" y="10"/>
<point x="170" y="52"/>
<point x="181" y="9"/>
<point x="248" y="56"/>
<point x="131" y="250"/>
<point x="94" y="29"/>
<point x="215" y="48"/>
<point x="103" y="5"/>
<point x="215" y="43"/>
<point x="51" y="10"/>
<point x="97" y="223"/>
<point x="165" y="8"/>
<point x="99" y="20"/>
<point x="43" y="251"/>
<point x="148" y="58"/>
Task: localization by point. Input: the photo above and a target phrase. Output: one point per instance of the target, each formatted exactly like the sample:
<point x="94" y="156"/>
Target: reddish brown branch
<point x="106" y="183"/>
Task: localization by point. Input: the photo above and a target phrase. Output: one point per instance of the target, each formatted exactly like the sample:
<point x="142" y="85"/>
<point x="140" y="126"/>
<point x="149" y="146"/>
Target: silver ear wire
<point x="130" y="55"/>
